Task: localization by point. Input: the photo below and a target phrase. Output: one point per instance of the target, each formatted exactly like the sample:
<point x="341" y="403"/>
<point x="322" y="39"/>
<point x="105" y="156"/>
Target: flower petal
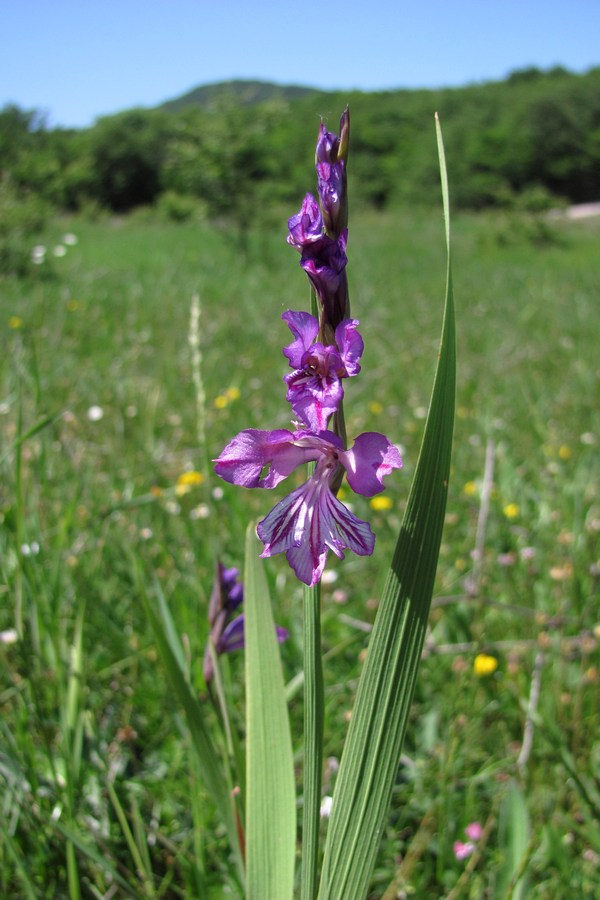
<point x="233" y="636"/>
<point x="307" y="567"/>
<point x="305" y="328"/>
<point x="227" y="593"/>
<point x="350" y="344"/>
<point x="314" y="398"/>
<point x="307" y="524"/>
<point x="371" y="458"/>
<point x="307" y="225"/>
<point x="285" y="525"/>
<point x="462" y="850"/>
<point x="249" y="452"/>
<point x="355" y="534"/>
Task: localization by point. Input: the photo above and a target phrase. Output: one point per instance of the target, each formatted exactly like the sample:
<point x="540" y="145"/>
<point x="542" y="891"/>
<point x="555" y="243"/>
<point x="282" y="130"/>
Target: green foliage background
<point x="531" y="138"/>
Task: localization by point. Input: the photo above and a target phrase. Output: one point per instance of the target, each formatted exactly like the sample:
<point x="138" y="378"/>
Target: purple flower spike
<point x="311" y="520"/>
<point x="314" y="387"/>
<point x="227" y="633"/>
<point x="233" y="636"/>
<point x="227" y="595"/>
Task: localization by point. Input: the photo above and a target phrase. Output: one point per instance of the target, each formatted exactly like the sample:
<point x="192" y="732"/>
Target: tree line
<point x="534" y="137"/>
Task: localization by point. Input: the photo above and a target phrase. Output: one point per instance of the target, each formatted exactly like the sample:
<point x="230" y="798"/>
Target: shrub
<point x="22" y="217"/>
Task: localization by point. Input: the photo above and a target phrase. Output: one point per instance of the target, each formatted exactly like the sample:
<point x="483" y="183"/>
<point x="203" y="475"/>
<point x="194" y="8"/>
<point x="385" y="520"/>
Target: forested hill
<point x="242" y="92"/>
<point x="236" y="146"/>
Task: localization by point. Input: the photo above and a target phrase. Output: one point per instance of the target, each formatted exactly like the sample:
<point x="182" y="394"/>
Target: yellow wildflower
<point x="470" y="489"/>
<point x="15" y="322"/>
<point x="223" y="400"/>
<point x="186" y="481"/>
<point x="511" y="510"/>
<point x="380" y="504"/>
<point x="484" y="665"/>
<point x="375" y="407"/>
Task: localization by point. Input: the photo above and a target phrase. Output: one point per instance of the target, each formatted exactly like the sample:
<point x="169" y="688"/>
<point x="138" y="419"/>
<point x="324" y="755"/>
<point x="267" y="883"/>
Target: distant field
<point x="95" y="352"/>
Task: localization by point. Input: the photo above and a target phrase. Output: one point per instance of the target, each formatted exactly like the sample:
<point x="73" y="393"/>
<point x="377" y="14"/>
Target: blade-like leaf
<point x="370" y="761"/>
<point x="513" y="843"/>
<point x="271" y="802"/>
<point x="31" y="432"/>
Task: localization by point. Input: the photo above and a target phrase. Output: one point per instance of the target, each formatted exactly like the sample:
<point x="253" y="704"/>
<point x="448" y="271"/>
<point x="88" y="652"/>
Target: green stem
<point x="19" y="523"/>
<point x="313" y="740"/>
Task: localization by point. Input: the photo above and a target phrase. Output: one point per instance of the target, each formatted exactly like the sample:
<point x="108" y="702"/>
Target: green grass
<point x="100" y="793"/>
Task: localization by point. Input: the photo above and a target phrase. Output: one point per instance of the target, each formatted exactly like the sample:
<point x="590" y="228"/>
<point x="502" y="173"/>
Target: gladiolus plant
<point x="259" y="806"/>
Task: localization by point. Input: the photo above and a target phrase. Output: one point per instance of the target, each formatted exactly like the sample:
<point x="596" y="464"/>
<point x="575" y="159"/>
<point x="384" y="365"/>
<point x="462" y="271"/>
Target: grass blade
<point x="370" y="760"/>
<point x="142" y="873"/>
<point x="209" y="764"/>
<point x="271" y="803"/>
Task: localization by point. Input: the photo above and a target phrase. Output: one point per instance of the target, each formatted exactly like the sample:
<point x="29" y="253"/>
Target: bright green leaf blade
<point x="370" y="761"/>
<point x="271" y="802"/>
<point x="513" y="843"/>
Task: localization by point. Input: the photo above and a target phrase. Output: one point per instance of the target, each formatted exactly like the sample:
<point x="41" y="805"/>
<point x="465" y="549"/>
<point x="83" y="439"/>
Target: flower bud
<point x="331" y="156"/>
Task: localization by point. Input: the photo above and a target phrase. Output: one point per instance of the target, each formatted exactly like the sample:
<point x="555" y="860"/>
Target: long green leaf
<point x="513" y="843"/>
<point x="370" y="760"/>
<point x="271" y="802"/>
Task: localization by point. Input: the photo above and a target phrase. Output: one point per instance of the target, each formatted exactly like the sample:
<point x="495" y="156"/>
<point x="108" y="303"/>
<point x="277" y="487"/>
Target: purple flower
<point x="331" y="157"/>
<point x="314" y="387"/>
<point x="227" y="594"/>
<point x="311" y="520"/>
<point x="306" y="227"/>
<point x="474" y="831"/>
<point x="233" y="636"/>
<point x="325" y="265"/>
<point x="322" y="258"/>
<point x="227" y="633"/>
<point x="463" y="849"/>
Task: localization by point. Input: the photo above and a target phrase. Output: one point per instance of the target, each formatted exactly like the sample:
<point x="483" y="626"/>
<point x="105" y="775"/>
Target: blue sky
<point x="78" y="60"/>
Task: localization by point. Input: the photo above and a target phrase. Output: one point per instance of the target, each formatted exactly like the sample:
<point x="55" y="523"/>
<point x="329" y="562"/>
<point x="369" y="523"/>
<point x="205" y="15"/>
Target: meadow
<point x="104" y="422"/>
